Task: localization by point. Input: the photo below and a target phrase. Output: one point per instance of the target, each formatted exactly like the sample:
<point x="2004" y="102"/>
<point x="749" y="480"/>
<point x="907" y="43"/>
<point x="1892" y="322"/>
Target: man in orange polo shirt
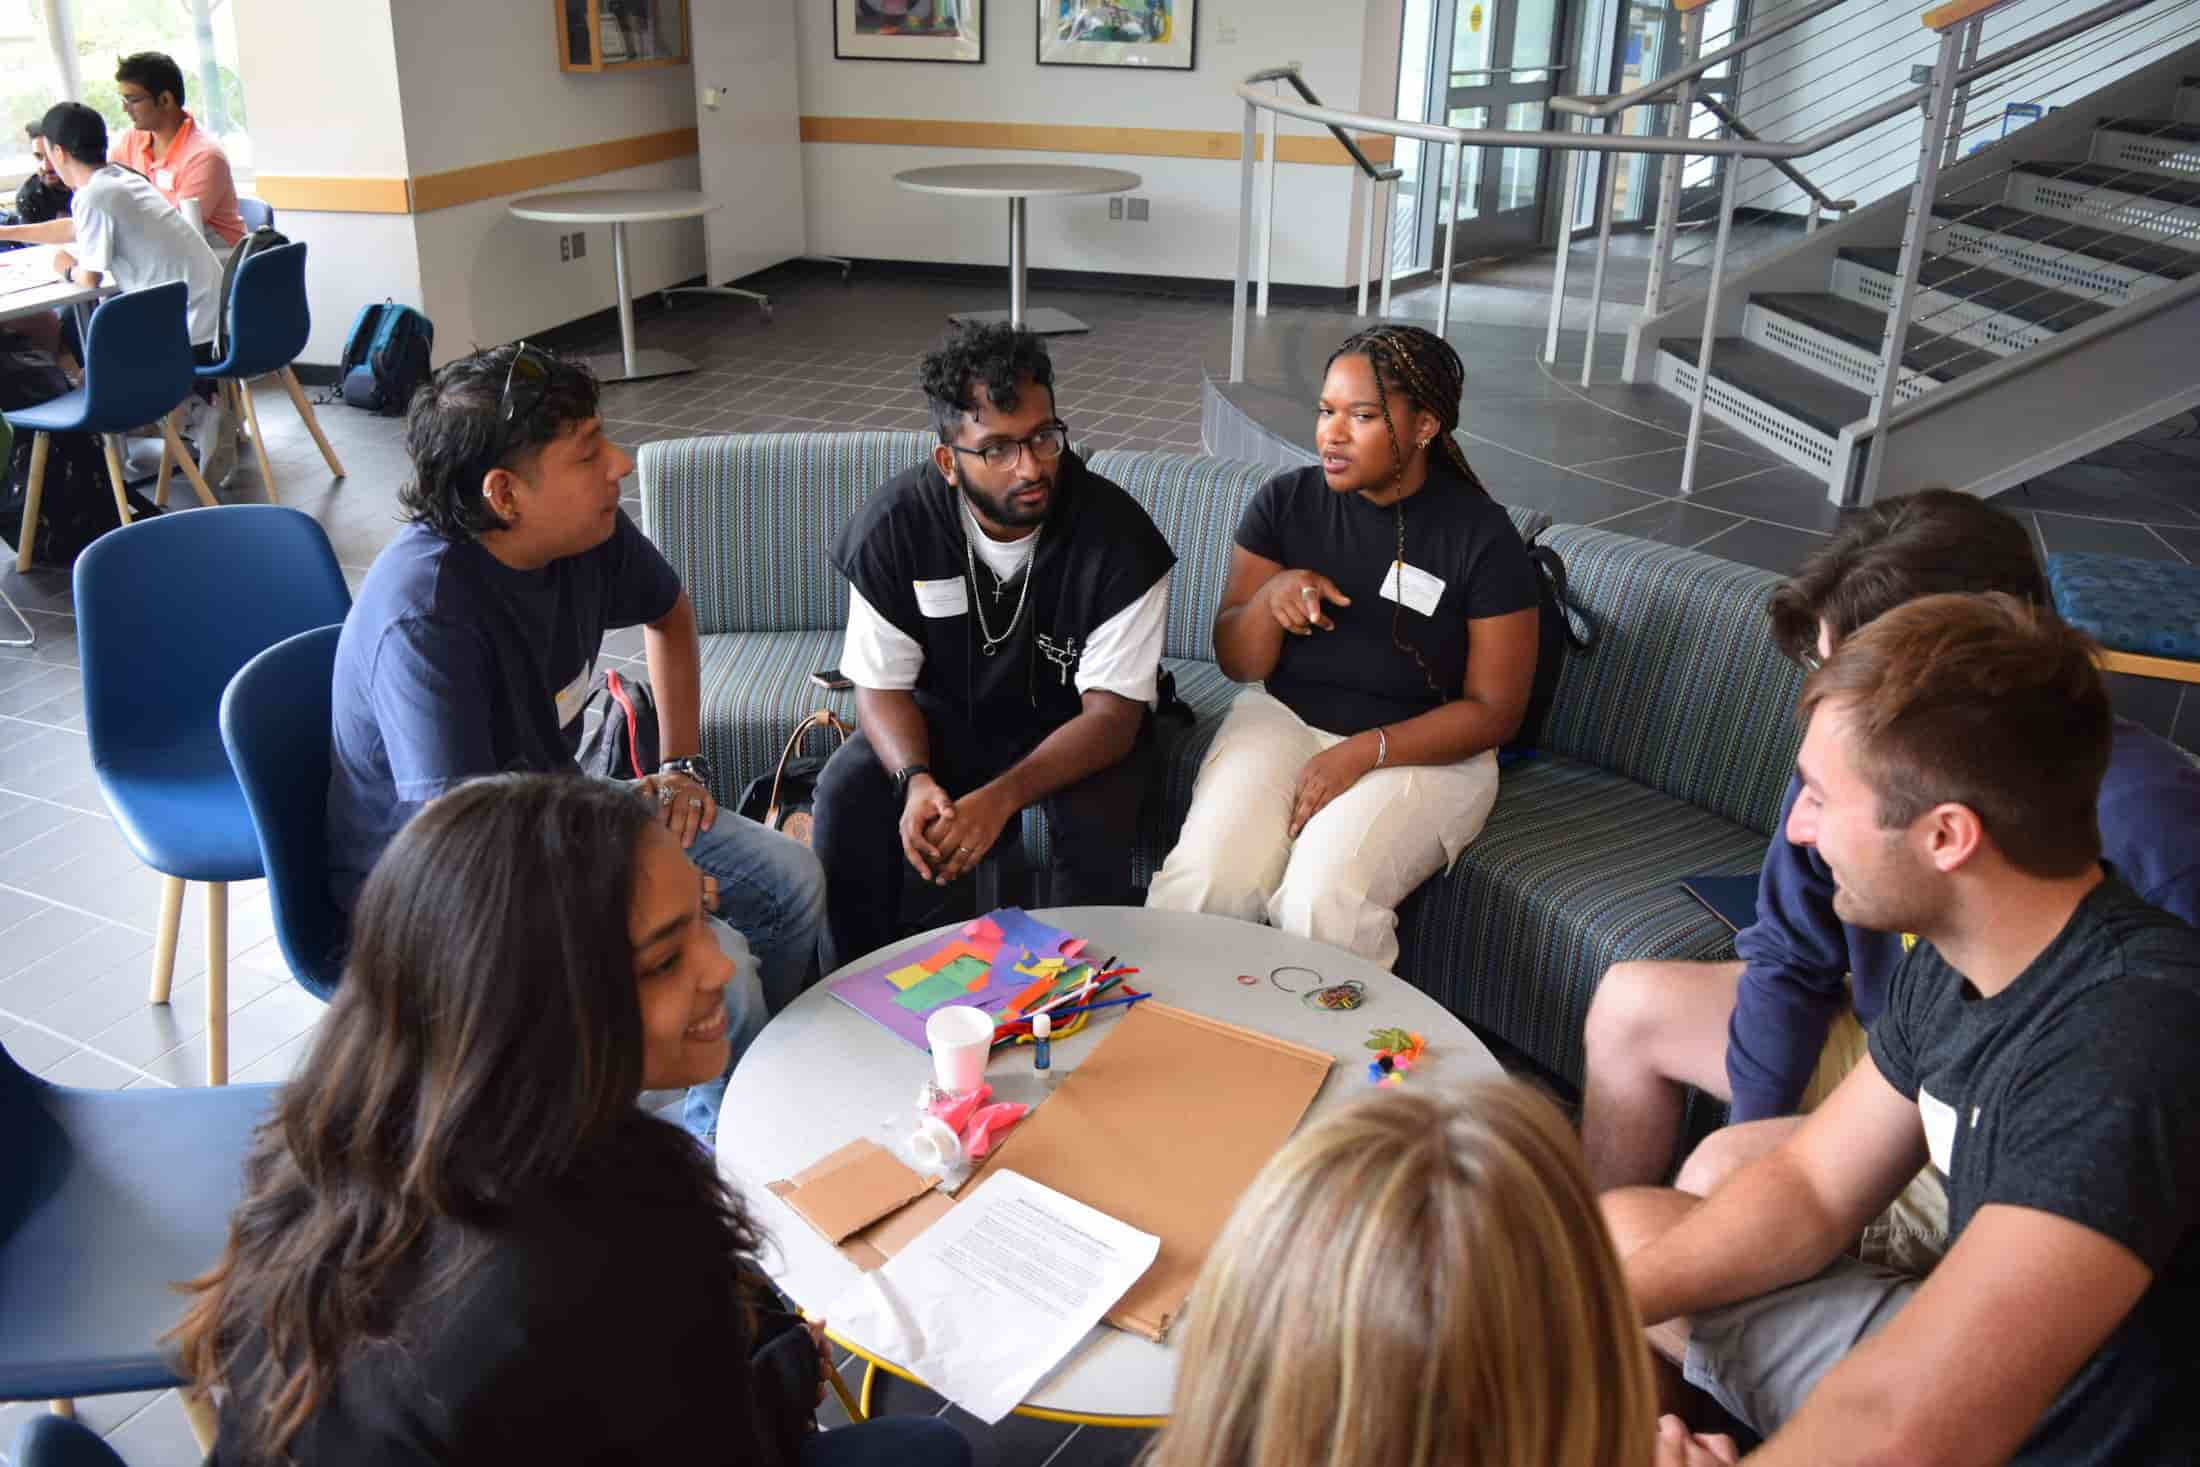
<point x="165" y="144"/>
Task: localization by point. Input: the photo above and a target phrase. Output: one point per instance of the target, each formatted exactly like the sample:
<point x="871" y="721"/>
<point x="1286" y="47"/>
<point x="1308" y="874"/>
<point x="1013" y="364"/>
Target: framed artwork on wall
<point x="909" y="30"/>
<point x="1158" y="34"/>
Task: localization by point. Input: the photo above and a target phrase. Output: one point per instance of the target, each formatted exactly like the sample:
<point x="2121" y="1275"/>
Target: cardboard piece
<point x="851" y="1189"/>
<point x="1163" y="1126"/>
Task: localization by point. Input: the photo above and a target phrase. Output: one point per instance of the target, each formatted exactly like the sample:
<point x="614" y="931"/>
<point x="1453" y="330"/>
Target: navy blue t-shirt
<point x="453" y="665"/>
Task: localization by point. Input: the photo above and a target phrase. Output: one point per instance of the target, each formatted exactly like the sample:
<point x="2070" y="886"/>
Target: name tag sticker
<point x="165" y="178"/>
<point x="943" y="598"/>
<point x="1412" y="588"/>
<point x="1940" y="1129"/>
<point x="574" y="694"/>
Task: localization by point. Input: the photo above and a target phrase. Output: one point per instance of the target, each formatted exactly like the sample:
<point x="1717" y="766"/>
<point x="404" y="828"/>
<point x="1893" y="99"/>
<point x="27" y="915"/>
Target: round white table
<point x="1017" y="182"/>
<point x="821" y="1075"/>
<point x="619" y="207"/>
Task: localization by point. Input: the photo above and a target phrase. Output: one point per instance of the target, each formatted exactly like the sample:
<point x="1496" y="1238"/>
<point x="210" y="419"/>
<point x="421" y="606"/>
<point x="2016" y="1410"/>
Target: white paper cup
<point x="193" y="213"/>
<point x="960" y="1038"/>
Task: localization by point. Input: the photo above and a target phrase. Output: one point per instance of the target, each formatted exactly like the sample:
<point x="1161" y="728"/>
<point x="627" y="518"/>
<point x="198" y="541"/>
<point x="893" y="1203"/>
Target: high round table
<point x="821" y="1075"/>
<point x="619" y="207"/>
<point x="1017" y="182"/>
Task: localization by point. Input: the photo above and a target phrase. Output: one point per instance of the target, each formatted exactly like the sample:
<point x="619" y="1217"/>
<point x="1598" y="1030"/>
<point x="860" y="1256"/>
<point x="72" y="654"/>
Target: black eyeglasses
<point x="526" y="382"/>
<point x="1046" y="446"/>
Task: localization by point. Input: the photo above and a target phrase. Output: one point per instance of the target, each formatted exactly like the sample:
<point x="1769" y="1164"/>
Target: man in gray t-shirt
<point x="2035" y="1050"/>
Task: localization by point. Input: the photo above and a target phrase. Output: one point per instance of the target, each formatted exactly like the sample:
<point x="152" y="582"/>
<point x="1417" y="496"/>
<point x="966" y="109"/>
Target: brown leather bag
<point x="783" y="800"/>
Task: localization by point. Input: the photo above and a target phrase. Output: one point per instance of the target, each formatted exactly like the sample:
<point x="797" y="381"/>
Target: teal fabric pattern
<point x="1577" y="869"/>
<point x="1684" y="692"/>
<point x="1195" y="503"/>
<point x="748" y="519"/>
<point x="756" y="688"/>
<point x="2147" y="606"/>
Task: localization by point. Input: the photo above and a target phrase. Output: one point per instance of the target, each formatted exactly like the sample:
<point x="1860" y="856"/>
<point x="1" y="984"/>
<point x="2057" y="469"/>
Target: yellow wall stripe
<point x="1039" y="137"/>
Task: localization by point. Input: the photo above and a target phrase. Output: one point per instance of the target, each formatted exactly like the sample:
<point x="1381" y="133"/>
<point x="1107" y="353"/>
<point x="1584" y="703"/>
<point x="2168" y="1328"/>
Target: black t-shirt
<point x="907" y="551"/>
<point x="2076" y="1091"/>
<point x="39" y="202"/>
<point x="453" y="665"/>
<point x="591" y="1329"/>
<point x="1356" y="677"/>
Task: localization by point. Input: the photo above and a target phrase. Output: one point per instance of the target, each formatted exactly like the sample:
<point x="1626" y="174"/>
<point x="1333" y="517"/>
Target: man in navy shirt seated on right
<point x="1775" y="1029"/>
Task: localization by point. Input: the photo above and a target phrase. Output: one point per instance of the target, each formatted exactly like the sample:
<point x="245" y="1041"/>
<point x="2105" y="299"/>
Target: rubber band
<point x="1247" y="979"/>
<point x="1337" y="998"/>
<point x="1275" y="978"/>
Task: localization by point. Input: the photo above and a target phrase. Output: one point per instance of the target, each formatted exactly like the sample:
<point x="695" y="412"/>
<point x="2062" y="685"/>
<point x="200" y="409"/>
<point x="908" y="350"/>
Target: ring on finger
<point x="695" y="801"/>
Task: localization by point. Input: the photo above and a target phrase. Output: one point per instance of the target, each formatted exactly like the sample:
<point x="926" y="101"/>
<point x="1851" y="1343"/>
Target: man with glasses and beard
<point x="1005" y="616"/>
<point x="475" y="640"/>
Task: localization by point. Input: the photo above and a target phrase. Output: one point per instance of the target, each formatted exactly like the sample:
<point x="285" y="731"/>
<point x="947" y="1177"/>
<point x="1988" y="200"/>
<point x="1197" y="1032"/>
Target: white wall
<point x="481" y="85"/>
<point x="288" y="55"/>
<point x="1835" y="66"/>
<point x="853" y="207"/>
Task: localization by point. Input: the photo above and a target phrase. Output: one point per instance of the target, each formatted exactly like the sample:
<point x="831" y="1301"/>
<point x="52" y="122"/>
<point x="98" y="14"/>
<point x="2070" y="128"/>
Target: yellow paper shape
<point x="909" y="977"/>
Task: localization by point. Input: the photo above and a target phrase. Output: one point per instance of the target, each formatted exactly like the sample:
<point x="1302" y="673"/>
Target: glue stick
<point x="1042" y="1029"/>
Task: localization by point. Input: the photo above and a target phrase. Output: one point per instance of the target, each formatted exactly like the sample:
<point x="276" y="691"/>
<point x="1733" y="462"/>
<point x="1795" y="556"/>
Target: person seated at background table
<point x="1390" y="612"/>
<point x="1419" y="1279"/>
<point x="2035" y="1049"/>
<point x="1775" y="1029"/>
<point x="1005" y="616"/>
<point x="43" y="196"/>
<point x="166" y="144"/>
<point x="461" y="1238"/>
<point x="475" y="640"/>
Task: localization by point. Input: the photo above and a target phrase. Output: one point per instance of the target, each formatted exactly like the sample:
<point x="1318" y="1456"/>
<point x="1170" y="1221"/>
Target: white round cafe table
<point x="1017" y="182"/>
<point x="619" y="207"/>
<point x="822" y="1075"/>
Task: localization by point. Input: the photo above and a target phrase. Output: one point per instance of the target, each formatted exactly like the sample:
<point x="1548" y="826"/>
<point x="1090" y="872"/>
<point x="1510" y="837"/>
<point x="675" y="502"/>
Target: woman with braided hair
<point x="1388" y="610"/>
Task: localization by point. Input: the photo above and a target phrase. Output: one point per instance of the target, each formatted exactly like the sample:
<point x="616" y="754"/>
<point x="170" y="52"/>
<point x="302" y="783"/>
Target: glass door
<point x="1503" y="74"/>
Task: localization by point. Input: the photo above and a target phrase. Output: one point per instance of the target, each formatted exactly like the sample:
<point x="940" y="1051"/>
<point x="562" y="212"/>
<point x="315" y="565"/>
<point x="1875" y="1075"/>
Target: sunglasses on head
<point x="526" y="382"/>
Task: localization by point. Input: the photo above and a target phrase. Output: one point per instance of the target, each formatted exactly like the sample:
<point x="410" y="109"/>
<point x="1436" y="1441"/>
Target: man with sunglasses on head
<point x="476" y="637"/>
<point x="1005" y="616"/>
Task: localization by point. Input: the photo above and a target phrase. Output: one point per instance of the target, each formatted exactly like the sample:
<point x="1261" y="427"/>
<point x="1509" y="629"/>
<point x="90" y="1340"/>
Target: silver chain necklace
<point x="977" y="602"/>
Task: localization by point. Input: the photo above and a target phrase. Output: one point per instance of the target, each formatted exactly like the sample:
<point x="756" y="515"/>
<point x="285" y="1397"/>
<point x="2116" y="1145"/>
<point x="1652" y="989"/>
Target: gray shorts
<point x="1761" y="1357"/>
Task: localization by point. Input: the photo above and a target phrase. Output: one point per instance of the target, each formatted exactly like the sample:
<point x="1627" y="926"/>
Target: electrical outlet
<point x="1140" y="209"/>
<point x="565" y="247"/>
<point x="580" y="244"/>
<point x="1115" y="207"/>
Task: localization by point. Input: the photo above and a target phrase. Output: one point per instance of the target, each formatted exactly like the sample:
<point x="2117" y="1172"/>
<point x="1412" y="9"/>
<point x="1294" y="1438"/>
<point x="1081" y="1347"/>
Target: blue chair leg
<point x="55" y="1441"/>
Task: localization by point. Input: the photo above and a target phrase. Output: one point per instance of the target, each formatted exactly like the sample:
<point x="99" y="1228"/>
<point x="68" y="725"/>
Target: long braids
<point x="1422" y="367"/>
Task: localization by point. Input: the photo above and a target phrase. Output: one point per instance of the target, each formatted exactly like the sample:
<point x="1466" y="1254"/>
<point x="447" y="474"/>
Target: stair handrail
<point x="1377" y="179"/>
<point x="1788" y="170"/>
<point x="1607" y="107"/>
<point x="1290" y="73"/>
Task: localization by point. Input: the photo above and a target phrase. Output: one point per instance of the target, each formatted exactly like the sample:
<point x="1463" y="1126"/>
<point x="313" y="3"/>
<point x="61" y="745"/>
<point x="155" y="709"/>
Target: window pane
<point x="202" y="37"/>
<point x="29" y="81"/>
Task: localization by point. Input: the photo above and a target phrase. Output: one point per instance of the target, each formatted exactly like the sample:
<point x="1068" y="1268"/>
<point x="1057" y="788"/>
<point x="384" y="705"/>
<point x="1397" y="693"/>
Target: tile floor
<point x="77" y="912"/>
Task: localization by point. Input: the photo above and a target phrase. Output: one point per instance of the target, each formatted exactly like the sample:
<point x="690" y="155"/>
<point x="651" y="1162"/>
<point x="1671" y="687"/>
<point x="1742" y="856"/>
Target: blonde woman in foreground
<point x="1419" y="1279"/>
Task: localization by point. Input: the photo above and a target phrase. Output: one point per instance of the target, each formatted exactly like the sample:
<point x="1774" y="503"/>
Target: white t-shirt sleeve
<point x="1123" y="654"/>
<point x="877" y="654"/>
<point x="91" y="208"/>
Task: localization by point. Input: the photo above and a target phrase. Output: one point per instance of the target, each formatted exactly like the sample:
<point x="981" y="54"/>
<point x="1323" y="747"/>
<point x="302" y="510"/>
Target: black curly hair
<point x="451" y="431"/>
<point x="996" y="355"/>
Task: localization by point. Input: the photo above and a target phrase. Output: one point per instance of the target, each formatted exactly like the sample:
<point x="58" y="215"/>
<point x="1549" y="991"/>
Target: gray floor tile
<point x="158" y="1436"/>
<point x="36" y="1048"/>
<point x="1659" y="472"/>
<point x="1784" y="495"/>
<point x="1775" y="548"/>
<point x="1672" y="523"/>
<point x="86" y="1070"/>
<point x="2102" y="537"/>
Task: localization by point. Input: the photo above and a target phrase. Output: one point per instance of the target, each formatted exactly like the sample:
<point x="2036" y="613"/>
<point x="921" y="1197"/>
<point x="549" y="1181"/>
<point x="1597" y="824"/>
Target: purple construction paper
<point x="869" y="994"/>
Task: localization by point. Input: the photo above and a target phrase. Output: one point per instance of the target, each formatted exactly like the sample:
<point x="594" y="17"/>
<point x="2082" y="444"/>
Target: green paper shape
<point x="949" y="985"/>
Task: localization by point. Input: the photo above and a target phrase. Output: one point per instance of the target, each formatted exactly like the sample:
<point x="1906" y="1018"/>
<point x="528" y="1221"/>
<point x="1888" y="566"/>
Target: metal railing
<point x="1377" y="178"/>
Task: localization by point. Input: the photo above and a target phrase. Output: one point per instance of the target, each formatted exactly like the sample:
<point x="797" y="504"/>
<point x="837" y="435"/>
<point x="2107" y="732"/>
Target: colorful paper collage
<point x="986" y="963"/>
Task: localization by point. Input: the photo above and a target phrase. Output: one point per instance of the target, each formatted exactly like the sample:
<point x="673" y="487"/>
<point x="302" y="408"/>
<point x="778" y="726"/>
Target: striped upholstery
<point x="1684" y="692"/>
<point x="1665" y="754"/>
<point x="748" y="519"/>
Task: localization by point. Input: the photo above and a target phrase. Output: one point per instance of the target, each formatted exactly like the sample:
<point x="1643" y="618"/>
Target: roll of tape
<point x="935" y="1143"/>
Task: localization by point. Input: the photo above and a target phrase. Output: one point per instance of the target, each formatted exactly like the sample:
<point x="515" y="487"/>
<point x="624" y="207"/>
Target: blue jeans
<point x="771" y="891"/>
<point x="889" y="1441"/>
<point x="50" y="1441"/>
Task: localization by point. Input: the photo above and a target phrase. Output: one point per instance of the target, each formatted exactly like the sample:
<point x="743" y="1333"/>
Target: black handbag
<point x="1562" y="627"/>
<point x="619" y="740"/>
<point x="783" y="799"/>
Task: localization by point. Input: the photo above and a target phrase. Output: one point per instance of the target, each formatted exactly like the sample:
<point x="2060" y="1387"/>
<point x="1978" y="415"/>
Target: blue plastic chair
<point x="52" y="1441"/>
<point x="108" y="1198"/>
<point x="275" y="725"/>
<point x="137" y="369"/>
<point x="255" y="212"/>
<point x="167" y="611"/>
<point x="268" y="327"/>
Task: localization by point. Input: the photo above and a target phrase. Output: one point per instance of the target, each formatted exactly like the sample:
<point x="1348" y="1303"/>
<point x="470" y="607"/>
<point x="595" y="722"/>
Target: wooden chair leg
<point x="31" y="494"/>
<point x="173" y="445"/>
<point x="259" y="445"/>
<point x="217" y="983"/>
<point x="108" y="442"/>
<point x="167" y="461"/>
<point x="198" y="1410"/>
<point x="164" y="939"/>
<point x="304" y="405"/>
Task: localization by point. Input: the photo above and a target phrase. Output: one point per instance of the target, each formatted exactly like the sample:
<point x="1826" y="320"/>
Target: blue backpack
<point x="386" y="358"/>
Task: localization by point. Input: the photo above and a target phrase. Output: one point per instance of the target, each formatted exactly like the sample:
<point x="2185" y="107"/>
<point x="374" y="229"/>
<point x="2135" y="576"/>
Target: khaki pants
<point x="1341" y="881"/>
<point x="1912" y="1234"/>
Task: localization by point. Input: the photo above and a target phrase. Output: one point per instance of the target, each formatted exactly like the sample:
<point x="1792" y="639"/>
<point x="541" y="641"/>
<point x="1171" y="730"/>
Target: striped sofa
<point x="1665" y="755"/>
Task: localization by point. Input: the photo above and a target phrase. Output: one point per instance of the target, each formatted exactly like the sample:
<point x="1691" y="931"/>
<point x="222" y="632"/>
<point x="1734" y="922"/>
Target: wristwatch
<point x="694" y="766"/>
<point x="904" y="775"/>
